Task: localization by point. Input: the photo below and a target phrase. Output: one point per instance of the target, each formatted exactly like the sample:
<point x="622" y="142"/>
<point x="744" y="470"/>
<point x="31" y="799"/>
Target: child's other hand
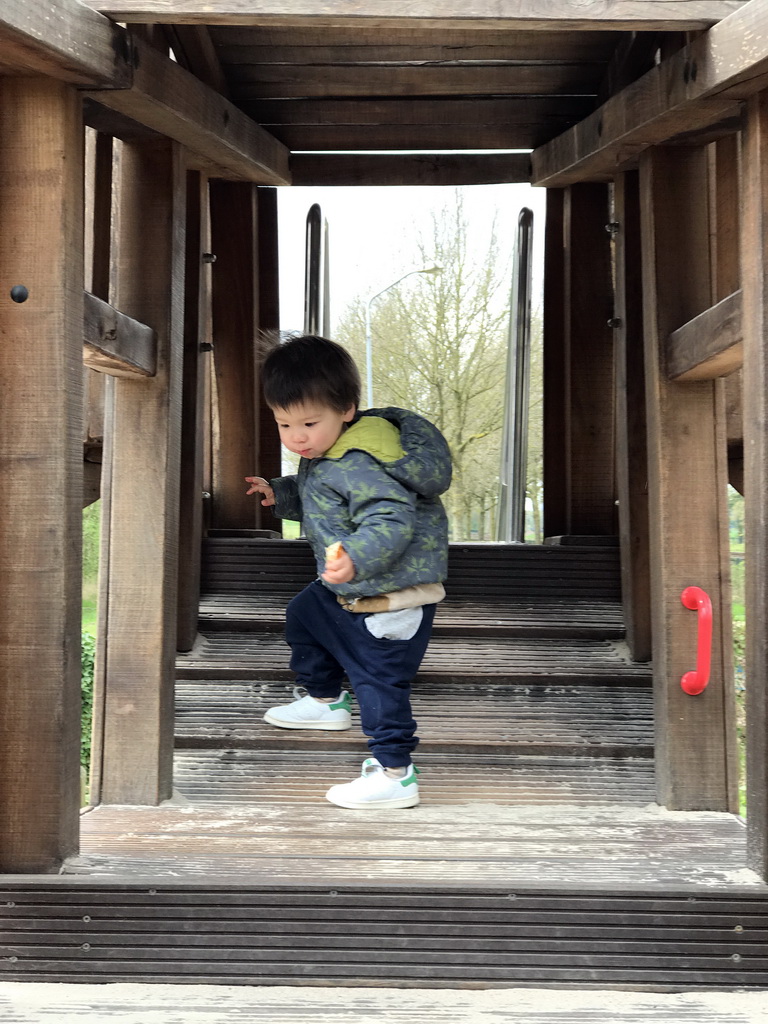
<point x="340" y="570"/>
<point x="258" y="483"/>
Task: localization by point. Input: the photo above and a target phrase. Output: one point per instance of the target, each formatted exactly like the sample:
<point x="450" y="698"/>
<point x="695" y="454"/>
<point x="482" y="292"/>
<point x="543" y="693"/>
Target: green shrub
<point x="88" y="654"/>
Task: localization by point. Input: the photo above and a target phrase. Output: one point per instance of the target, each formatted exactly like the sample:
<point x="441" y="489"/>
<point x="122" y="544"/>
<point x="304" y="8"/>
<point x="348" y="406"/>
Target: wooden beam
<point x="194" y="50"/>
<point x="269" y="451"/>
<point x="554" y="368"/>
<point x="116" y="344"/>
<point x="353" y="46"/>
<point x="687" y="477"/>
<point x="235" y="306"/>
<point x="589" y="387"/>
<point x="334" y="169"/>
<point x="709" y="345"/>
<point x="197" y="328"/>
<point x="144" y="499"/>
<point x="696" y="87"/>
<point x="253" y="82"/>
<point x="631" y="444"/>
<point x="523" y="15"/>
<point x="754" y="258"/>
<point x="172" y="102"/>
<point x="63" y="39"/>
<point x="41" y="472"/>
<point x="396" y="136"/>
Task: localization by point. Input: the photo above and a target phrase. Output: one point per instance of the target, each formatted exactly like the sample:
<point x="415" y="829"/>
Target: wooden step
<point x="522" y="571"/>
<point x="567" y="619"/>
<point x="293" y="776"/>
<point x="265" y="655"/>
<point x="72" y="930"/>
<point x="502" y="718"/>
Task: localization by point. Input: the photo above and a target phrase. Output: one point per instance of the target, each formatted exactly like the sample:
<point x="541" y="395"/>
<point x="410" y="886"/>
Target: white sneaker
<point x="374" y="788"/>
<point x="307" y="713"/>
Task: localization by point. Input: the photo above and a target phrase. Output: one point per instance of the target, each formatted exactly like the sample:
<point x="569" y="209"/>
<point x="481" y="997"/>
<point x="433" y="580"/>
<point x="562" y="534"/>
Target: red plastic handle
<point x="696" y="598"/>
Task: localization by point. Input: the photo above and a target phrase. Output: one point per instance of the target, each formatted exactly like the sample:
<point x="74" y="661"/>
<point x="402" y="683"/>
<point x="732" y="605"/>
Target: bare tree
<point x="440" y="348"/>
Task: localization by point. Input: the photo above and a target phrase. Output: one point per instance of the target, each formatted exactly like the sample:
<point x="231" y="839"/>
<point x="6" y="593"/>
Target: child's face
<point x="309" y="429"/>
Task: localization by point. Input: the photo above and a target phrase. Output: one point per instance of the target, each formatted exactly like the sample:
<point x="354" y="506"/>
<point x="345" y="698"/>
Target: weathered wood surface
<point x="235" y="331"/>
<point x="709" y="345"/>
<point x="561" y="846"/>
<point x="116" y="344"/>
<point x="504" y="616"/>
<point x="631" y="445"/>
<point x="403" y="43"/>
<point x="631" y="15"/>
<point x="172" y="102"/>
<point x="63" y="40"/>
<point x="503" y="718"/>
<point x="754" y="248"/>
<point x="174" y="1004"/>
<point x="340" y="169"/>
<point x="41" y="452"/>
<point x="589" y="359"/>
<point x="691" y="90"/>
<point x="688" y="524"/>
<point x="140" y="594"/>
<point x="269" y="449"/>
<point x="264" y="655"/>
<point x="554" y="367"/>
<point x="197" y="331"/>
<point x="371" y="80"/>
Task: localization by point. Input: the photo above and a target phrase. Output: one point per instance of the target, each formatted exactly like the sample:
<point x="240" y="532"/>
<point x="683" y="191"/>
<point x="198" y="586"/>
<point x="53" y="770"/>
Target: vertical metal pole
<point x="313" y="270"/>
<point x="511" y="518"/>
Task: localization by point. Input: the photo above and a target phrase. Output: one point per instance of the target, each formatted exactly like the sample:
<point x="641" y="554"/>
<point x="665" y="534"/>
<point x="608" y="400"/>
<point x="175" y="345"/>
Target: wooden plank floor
<point x="471" y="845"/>
<point x="22" y="1003"/>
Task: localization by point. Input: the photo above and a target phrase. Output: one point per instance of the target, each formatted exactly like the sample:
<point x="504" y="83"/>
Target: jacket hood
<point x="426" y="465"/>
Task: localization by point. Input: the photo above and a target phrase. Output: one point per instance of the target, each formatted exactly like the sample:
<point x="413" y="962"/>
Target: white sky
<point x="373" y="233"/>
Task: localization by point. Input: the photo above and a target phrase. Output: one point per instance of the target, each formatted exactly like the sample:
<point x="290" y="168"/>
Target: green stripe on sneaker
<point x="344" y="703"/>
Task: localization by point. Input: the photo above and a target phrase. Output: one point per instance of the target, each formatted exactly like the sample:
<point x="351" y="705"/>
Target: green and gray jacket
<point x="376" y="490"/>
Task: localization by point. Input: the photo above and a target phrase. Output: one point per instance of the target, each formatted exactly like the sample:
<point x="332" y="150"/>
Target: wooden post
<point x="269" y="453"/>
<point x="196" y="333"/>
<point x="140" y="639"/>
<point x="631" y="453"/>
<point x="754" y="249"/>
<point x="41" y="477"/>
<point x="235" y="306"/>
<point x="687" y="492"/>
<point x="588" y="295"/>
<point x="554" y="364"/>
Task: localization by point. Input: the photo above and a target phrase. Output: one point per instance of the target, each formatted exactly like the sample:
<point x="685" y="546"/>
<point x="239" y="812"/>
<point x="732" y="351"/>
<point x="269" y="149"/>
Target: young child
<point x="367" y="489"/>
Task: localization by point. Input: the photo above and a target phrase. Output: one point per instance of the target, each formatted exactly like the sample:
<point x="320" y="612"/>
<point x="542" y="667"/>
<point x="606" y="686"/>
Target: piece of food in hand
<point x="334" y="552"/>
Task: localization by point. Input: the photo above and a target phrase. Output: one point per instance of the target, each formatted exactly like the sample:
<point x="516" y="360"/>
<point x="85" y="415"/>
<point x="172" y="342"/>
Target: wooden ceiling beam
<point x="693" y="89"/>
<point x="532" y="15"/>
<point x="169" y="100"/>
<point x="586" y="45"/>
<point x="65" y="40"/>
<point x="511" y="111"/>
<point x="557" y="47"/>
<point x="282" y="82"/>
<point x="708" y="346"/>
<point x="334" y="169"/>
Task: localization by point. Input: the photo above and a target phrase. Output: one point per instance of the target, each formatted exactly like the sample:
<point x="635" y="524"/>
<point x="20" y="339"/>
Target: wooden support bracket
<point x="116" y="344"/>
<point x="709" y="345"/>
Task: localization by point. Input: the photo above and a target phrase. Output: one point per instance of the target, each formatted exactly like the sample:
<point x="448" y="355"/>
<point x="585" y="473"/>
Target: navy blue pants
<point x="328" y="643"/>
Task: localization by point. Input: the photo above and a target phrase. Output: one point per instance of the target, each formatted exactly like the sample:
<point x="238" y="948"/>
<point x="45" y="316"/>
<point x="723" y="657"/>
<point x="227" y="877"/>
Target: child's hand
<point x="258" y="483"/>
<point x="340" y="569"/>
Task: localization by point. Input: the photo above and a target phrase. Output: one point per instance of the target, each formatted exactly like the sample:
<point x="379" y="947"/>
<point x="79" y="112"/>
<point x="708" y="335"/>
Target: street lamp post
<point x="368" y="345"/>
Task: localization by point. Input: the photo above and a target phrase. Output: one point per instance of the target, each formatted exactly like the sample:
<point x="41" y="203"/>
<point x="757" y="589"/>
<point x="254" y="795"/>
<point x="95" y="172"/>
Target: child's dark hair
<point x="310" y="369"/>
